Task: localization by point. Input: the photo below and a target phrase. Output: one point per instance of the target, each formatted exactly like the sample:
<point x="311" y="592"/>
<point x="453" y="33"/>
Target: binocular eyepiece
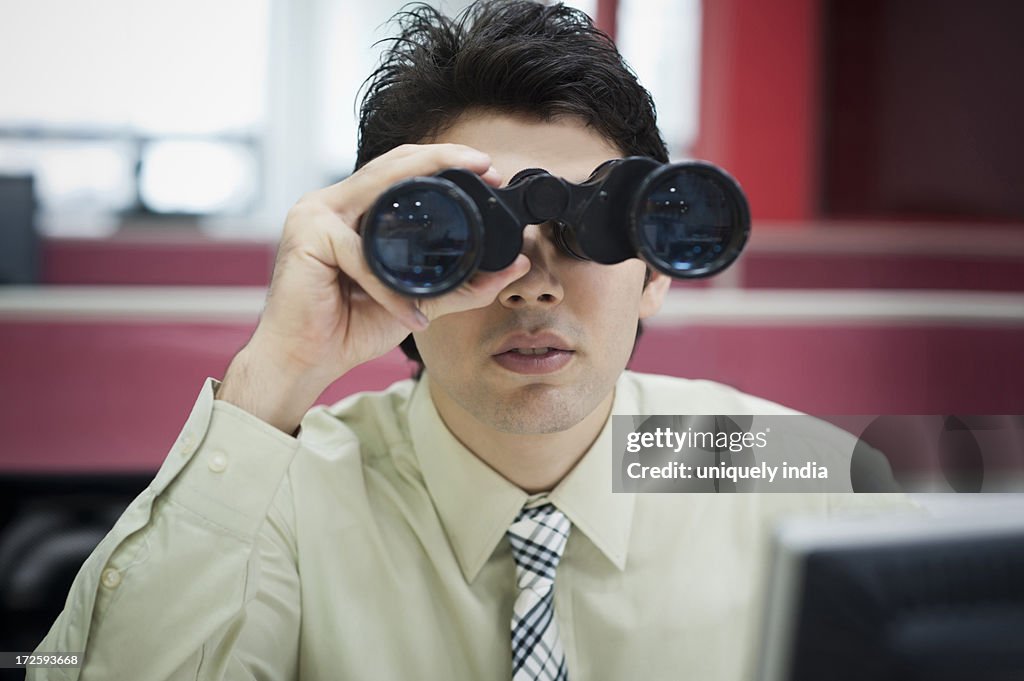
<point x="427" y="235"/>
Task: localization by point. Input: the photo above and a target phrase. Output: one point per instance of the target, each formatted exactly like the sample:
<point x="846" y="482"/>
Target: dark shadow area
<point x="49" y="524"/>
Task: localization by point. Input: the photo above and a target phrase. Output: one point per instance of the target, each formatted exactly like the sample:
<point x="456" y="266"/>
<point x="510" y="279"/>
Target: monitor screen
<point x="19" y="243"/>
<point x="905" y="598"/>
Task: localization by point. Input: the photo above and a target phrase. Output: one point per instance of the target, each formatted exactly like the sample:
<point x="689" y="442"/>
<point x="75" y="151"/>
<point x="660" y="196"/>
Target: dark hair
<point x="513" y="56"/>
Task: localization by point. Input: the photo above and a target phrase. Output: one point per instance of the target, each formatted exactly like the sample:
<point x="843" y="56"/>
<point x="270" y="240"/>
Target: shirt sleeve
<point x="198" y="578"/>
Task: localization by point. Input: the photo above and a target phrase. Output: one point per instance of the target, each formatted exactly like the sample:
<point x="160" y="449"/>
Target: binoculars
<point x="427" y="235"/>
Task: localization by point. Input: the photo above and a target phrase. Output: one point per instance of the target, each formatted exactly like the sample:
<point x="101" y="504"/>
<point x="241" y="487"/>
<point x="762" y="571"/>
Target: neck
<point x="534" y="462"/>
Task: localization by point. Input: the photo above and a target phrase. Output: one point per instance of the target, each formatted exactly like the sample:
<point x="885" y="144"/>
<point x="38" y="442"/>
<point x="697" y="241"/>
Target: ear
<point x="654" y="293"/>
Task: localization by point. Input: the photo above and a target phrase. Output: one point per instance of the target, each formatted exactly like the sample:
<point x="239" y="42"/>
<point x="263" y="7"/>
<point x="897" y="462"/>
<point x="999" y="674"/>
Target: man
<point x="417" y="533"/>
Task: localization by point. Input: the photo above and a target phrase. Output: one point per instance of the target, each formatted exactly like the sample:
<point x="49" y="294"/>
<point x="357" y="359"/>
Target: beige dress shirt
<point x="373" y="547"/>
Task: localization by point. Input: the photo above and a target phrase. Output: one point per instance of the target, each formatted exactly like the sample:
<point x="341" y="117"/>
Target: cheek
<point x="431" y="345"/>
<point x="610" y="300"/>
<point x="614" y="290"/>
<point x="444" y="342"/>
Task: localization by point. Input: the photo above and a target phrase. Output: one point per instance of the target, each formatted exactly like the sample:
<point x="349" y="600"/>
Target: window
<point x="111" y="103"/>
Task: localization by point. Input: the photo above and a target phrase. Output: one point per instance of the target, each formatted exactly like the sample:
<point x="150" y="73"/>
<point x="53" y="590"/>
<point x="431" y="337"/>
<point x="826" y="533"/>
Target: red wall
<point x="112" y="396"/>
<point x="759" y="101"/>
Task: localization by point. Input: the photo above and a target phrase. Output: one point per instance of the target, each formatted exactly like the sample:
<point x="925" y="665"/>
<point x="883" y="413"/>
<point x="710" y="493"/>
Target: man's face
<point x="587" y="311"/>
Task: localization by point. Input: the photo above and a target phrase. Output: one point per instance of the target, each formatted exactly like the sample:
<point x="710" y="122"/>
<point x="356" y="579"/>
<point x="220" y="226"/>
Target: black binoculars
<point x="427" y="235"/>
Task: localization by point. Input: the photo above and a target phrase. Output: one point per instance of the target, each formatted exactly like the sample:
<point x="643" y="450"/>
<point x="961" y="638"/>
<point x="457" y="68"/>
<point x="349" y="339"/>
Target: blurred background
<point x="149" y="152"/>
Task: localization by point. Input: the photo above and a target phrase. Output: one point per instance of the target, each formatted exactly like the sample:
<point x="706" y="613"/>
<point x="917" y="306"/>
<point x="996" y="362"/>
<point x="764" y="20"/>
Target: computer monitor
<point x="896" y="599"/>
<point x="19" y="241"/>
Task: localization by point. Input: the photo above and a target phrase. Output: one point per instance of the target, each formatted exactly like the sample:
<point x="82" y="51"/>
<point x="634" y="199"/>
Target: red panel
<point x="852" y="370"/>
<point x="759" y="100"/>
<point x="156" y="261"/>
<point x="853" y="46"/>
<point x="112" y="397"/>
<point x="920" y="120"/>
<point x="93" y="396"/>
<point x="837" y="271"/>
<point x="607" y="13"/>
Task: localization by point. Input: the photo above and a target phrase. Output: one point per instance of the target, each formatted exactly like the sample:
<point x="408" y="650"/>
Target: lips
<point x="533" y="342"/>
<point x="541" y="353"/>
<point x="531" y="351"/>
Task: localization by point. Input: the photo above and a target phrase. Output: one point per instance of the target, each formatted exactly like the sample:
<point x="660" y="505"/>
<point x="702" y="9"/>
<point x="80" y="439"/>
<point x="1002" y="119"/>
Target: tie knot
<point x="538" y="537"/>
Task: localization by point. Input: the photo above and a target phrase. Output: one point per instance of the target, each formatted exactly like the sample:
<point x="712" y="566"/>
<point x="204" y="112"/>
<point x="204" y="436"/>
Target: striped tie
<point x="538" y="538"/>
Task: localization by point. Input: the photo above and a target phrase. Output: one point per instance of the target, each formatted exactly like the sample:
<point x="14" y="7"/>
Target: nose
<point x="540" y="286"/>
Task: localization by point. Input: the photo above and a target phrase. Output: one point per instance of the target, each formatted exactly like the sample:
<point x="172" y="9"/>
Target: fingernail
<point x="422" y="319"/>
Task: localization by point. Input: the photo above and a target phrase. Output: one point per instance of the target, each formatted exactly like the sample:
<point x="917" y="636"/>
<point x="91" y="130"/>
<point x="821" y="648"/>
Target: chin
<point x="536" y="412"/>
<point x="534" y="424"/>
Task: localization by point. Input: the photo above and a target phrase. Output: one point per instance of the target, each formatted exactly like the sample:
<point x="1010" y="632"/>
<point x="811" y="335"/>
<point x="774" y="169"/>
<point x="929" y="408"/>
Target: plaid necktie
<point x="538" y="538"/>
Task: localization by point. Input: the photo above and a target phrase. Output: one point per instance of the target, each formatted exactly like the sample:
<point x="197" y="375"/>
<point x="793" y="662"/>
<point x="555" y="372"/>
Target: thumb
<point x="479" y="291"/>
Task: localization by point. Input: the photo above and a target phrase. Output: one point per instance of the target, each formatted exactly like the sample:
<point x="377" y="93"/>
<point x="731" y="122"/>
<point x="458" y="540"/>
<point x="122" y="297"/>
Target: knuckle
<point x="390" y="155"/>
<point x="453" y="155"/>
<point x="301" y="209"/>
<point x="450" y="150"/>
<point x="346" y="245"/>
<point x="371" y="171"/>
<point x="305" y="222"/>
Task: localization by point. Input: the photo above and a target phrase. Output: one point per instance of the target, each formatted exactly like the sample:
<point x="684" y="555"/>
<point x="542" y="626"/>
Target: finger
<point x="354" y="195"/>
<point x="480" y="291"/>
<point x="368" y="314"/>
<point x="492" y="177"/>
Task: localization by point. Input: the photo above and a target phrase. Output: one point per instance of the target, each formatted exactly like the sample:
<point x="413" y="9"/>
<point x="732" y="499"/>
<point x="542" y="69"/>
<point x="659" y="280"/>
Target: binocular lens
<point x="687" y="222"/>
<point x="426" y="237"/>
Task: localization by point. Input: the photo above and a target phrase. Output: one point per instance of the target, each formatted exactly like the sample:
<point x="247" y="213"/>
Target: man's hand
<point x="326" y="312"/>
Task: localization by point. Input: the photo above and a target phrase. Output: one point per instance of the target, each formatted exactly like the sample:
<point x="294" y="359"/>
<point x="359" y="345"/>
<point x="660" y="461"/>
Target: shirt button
<point x="218" y="462"/>
<point x="111" y="578"/>
<point x="188" y="444"/>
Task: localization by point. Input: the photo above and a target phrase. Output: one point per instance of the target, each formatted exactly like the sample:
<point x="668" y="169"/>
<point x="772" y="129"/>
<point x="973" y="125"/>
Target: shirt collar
<point x="477" y="505"/>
